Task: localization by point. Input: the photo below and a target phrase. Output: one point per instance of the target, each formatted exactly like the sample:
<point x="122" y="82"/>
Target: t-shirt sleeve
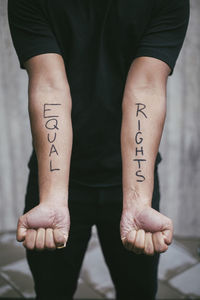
<point x="165" y="34"/>
<point x="31" y="34"/>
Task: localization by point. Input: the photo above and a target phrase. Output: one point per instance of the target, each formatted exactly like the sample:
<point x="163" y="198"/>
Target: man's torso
<point x="98" y="41"/>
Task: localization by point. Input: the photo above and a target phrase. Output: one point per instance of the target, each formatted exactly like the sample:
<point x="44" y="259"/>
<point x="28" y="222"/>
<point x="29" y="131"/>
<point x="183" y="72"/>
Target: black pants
<point x="56" y="272"/>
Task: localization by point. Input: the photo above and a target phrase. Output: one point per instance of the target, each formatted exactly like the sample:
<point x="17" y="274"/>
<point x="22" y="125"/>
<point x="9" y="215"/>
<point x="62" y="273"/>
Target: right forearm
<point x="50" y="117"/>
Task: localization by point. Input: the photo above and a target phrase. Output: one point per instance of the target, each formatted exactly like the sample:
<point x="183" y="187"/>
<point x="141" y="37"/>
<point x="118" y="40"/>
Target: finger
<point x="40" y="239"/>
<point x="130" y="239"/>
<point x="159" y="243"/>
<point x="148" y="246"/>
<point x="21" y="230"/>
<point x="59" y="238"/>
<point x="139" y="241"/>
<point x="29" y="241"/>
<point x="49" y="239"/>
<point x="168" y="234"/>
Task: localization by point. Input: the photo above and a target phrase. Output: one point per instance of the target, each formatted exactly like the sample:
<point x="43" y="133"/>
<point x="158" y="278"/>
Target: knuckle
<point x="158" y="249"/>
<point x="59" y="239"/>
<point x="161" y="249"/>
<point x="39" y="246"/>
<point x="169" y="241"/>
<point x="29" y="246"/>
<point x="50" y="246"/>
<point x="149" y="251"/>
<point x="165" y="248"/>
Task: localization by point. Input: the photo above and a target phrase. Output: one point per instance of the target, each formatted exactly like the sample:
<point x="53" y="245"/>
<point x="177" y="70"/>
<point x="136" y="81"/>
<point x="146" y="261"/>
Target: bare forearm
<point x="50" y="116"/>
<point x="142" y="125"/>
<point x="143" y="229"/>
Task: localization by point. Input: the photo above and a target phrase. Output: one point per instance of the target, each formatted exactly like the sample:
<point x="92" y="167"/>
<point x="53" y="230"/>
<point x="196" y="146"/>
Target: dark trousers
<point x="55" y="273"/>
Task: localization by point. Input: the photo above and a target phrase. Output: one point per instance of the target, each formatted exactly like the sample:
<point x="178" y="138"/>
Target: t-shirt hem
<point x="25" y="57"/>
<point x="156" y="54"/>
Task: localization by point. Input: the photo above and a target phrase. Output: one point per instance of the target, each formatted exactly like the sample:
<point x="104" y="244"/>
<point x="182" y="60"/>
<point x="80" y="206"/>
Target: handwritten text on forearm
<point x="51" y="125"/>
<point x="139" y="152"/>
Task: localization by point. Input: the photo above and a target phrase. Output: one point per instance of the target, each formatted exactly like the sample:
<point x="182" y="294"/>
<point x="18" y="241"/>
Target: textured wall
<point x="180" y="146"/>
<point x="15" y="140"/>
<point x="180" y="168"/>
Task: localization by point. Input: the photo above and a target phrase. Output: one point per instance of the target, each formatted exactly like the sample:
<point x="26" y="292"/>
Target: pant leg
<point x="134" y="276"/>
<point x="55" y="273"/>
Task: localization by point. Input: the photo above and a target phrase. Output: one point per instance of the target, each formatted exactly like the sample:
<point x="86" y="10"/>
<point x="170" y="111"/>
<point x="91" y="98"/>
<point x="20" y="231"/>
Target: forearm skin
<point x="50" y="118"/>
<point x="143" y="116"/>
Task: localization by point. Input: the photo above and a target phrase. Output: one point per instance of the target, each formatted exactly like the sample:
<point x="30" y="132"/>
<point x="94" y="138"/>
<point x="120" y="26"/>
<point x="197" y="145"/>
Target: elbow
<point x="148" y="94"/>
<point x="46" y="86"/>
<point x="146" y="81"/>
<point x="44" y="90"/>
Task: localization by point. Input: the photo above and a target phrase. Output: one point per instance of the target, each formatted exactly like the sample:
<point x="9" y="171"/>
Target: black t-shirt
<point x="98" y="40"/>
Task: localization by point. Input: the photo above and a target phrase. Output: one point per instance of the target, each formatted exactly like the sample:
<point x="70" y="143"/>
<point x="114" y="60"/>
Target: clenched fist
<point x="145" y="230"/>
<point x="46" y="226"/>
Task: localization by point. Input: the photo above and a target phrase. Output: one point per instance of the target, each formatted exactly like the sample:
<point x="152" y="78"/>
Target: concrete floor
<point x="179" y="271"/>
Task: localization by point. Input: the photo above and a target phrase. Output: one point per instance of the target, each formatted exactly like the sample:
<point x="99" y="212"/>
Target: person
<point x="97" y="74"/>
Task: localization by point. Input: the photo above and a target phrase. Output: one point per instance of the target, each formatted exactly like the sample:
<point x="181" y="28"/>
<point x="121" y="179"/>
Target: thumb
<point x="21" y="230"/>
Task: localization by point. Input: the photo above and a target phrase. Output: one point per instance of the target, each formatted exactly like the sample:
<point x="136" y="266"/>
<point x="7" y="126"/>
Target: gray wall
<point x="15" y="140"/>
<point x="180" y="146"/>
<point x="180" y="168"/>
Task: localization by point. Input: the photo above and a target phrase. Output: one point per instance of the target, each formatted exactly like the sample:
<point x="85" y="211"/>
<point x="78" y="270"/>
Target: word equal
<point x="139" y="151"/>
<point x="52" y="125"/>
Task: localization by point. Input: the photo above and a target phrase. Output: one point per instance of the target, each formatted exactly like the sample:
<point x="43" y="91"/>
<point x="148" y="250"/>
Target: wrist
<point x="135" y="197"/>
<point x="54" y="197"/>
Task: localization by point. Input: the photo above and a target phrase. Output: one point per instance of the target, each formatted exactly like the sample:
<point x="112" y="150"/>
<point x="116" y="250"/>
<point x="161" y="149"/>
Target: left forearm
<point x="143" y="118"/>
